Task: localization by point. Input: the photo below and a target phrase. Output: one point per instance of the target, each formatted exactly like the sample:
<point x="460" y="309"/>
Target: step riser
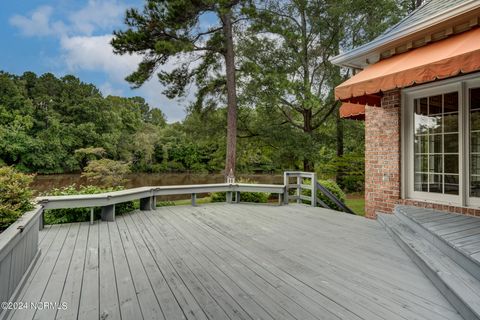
<point x="461" y="259"/>
<point x="459" y="305"/>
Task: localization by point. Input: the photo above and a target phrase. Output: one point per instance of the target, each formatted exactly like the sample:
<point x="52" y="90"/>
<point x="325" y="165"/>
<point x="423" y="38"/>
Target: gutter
<point x="345" y="59"/>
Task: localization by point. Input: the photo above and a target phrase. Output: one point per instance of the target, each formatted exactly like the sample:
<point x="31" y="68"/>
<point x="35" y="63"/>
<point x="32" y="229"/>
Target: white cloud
<point x="97" y="15"/>
<point x="94" y="53"/>
<point x="83" y="50"/>
<point x="38" y="23"/>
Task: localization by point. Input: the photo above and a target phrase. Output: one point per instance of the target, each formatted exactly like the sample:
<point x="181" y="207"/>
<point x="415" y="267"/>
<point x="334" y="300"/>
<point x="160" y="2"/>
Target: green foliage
<point x="106" y="172"/>
<point x="333" y="188"/>
<point x="15" y="195"/>
<point x="256" y="197"/>
<point x="57" y="216"/>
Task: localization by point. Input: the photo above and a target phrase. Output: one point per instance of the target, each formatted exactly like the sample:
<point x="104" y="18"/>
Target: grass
<point x="357" y="205"/>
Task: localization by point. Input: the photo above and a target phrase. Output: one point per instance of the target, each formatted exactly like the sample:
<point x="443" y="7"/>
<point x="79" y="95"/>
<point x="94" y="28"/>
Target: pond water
<point x="44" y="183"/>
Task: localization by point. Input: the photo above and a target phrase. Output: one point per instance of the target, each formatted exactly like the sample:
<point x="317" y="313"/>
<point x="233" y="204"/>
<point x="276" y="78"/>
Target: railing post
<point x="154" y="203"/>
<point x="194" y="199"/>
<point x="314" y="190"/>
<point x="299" y="188"/>
<point x="237" y="197"/>
<point x="91" y="215"/>
<point x="229" y="197"/>
<point x="41" y="221"/>
<point x="286" y="181"/>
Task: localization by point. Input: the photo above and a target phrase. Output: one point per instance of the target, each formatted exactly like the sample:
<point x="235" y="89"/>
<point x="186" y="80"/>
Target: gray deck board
<point x="460" y="231"/>
<point x="224" y="261"/>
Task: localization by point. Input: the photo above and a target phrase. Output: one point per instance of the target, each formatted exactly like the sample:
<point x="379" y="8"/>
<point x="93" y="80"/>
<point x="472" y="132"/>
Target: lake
<point x="44" y="183"/>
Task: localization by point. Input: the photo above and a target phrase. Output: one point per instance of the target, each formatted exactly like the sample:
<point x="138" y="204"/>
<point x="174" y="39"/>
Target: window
<point x="436" y="144"/>
<point x="441" y="141"/>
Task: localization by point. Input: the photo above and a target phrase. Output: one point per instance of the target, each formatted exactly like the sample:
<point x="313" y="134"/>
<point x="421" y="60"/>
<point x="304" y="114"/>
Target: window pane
<point x="435" y="145"/>
<point x="421" y="144"/>
<point x="451" y="184"/>
<point x="451" y="102"/>
<point x="450" y="122"/>
<point x="421" y="116"/>
<point x="475" y="164"/>
<point x="475" y="141"/>
<point x="475" y="186"/>
<point x="474" y="102"/>
<point x="475" y="98"/>
<point x="435" y="183"/>
<point x="451" y="163"/>
<point x="451" y="143"/>
<point x="421" y="182"/>
<point x="421" y="163"/>
<point x="436" y="163"/>
<point x="435" y="105"/>
<point x="475" y="120"/>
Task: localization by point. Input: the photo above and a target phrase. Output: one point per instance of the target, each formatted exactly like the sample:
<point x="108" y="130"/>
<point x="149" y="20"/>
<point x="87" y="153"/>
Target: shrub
<point x="333" y="188"/>
<point x="15" y="195"/>
<point x="257" y="197"/>
<point x="106" y="172"/>
<point x="56" y="216"/>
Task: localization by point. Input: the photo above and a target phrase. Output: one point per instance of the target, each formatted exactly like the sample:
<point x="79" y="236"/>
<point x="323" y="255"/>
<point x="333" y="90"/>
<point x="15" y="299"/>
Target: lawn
<point x="356" y="204"/>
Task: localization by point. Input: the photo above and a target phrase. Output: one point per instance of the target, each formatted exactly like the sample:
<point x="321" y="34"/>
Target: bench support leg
<point x="146" y="204"/>
<point x="229" y="197"/>
<point x="108" y="213"/>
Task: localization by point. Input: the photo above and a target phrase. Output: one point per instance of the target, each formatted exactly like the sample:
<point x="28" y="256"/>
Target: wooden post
<point x="280" y="199"/>
<point x="154" y="203"/>
<point x="41" y="220"/>
<point x="314" y="190"/>
<point x="146" y="204"/>
<point x="194" y="199"/>
<point x="237" y="197"/>
<point x="299" y="189"/>
<point x="108" y="213"/>
<point x="229" y="197"/>
<point x="91" y="215"/>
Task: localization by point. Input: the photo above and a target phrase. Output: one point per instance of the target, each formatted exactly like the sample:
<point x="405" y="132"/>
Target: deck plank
<point x="127" y="293"/>
<point x="147" y="299"/>
<point x="89" y="306"/>
<point x="73" y="283"/>
<point x="302" y="263"/>
<point x="109" y="302"/>
<point x="239" y="261"/>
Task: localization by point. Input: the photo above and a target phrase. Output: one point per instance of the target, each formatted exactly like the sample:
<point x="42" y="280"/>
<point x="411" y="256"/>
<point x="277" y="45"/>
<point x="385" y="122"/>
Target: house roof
<point x="429" y="22"/>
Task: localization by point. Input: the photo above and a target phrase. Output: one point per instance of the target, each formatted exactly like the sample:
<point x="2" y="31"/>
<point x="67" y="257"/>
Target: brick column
<point x="382" y="155"/>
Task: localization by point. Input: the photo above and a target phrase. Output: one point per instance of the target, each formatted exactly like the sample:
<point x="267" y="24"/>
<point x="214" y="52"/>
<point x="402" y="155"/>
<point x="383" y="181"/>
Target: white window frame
<point x="461" y="85"/>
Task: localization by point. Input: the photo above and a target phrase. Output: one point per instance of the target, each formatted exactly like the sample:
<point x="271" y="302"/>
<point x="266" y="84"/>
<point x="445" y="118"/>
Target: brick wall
<point x="382" y="161"/>
<point x="382" y="155"/>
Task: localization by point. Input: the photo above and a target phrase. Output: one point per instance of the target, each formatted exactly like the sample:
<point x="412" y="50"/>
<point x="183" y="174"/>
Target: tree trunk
<point x="230" y="162"/>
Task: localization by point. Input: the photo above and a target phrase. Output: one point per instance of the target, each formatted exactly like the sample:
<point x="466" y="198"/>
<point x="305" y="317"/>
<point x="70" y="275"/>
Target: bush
<point x="256" y="197"/>
<point x="109" y="173"/>
<point x="56" y="216"/>
<point x="333" y="188"/>
<point x="15" y="195"/>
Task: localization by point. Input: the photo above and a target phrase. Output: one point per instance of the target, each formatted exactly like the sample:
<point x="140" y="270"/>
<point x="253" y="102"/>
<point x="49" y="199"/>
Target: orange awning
<point x="438" y="60"/>
<point x="352" y="111"/>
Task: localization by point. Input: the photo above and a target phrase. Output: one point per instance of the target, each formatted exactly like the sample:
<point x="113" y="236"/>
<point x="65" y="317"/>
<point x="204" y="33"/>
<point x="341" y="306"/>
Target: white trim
<point x="460" y="85"/>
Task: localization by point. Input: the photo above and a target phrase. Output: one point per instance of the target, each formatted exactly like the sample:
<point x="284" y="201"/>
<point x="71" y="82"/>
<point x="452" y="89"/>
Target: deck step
<point x="404" y="213"/>
<point x="458" y="286"/>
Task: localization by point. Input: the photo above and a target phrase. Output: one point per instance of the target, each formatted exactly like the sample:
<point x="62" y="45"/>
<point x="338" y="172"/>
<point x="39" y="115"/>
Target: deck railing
<point x="148" y="195"/>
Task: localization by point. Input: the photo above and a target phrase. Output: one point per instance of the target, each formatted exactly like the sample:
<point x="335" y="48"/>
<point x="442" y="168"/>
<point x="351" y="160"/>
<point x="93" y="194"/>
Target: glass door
<point x="473" y="97"/>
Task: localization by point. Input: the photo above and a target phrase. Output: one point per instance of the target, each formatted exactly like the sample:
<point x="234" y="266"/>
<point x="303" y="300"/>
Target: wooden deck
<point x="460" y="231"/>
<point x="229" y="262"/>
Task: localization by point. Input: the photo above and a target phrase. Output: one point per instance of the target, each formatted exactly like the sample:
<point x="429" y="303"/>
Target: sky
<point x="72" y="37"/>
